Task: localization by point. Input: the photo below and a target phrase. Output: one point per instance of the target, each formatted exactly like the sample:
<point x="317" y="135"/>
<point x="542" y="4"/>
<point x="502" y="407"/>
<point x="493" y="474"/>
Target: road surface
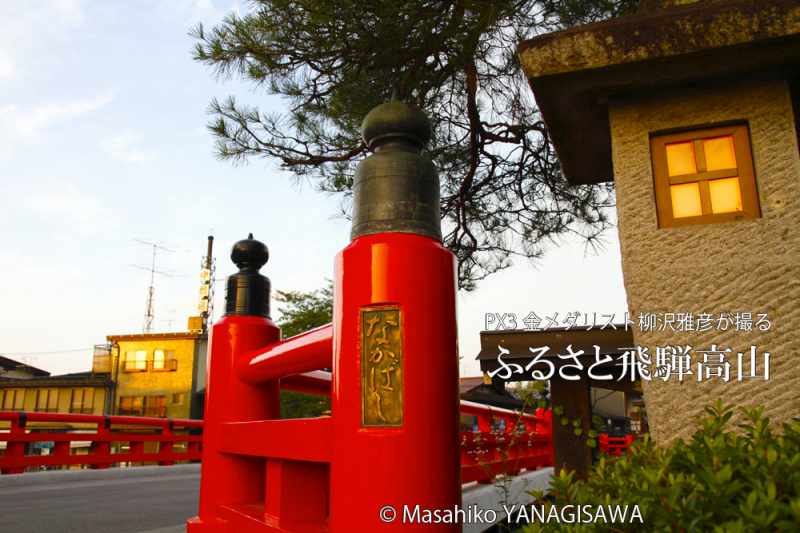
<point x="155" y="499"/>
<point x="159" y="499"/>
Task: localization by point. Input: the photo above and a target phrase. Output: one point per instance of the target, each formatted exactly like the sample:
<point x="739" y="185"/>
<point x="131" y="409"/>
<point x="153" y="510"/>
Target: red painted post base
<point x="417" y="461"/>
<point x="230" y="479"/>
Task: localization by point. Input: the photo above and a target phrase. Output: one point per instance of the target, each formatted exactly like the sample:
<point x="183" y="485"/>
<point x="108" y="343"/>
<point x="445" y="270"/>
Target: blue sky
<point x="103" y="141"/>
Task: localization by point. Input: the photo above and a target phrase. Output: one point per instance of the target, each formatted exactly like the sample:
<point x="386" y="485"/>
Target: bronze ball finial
<point x="396" y="188"/>
<point x="396" y="120"/>
<point x="247" y="291"/>
<point x="249" y="254"/>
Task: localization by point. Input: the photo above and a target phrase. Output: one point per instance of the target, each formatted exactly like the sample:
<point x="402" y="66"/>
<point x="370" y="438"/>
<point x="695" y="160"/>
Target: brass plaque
<point x="381" y="366"/>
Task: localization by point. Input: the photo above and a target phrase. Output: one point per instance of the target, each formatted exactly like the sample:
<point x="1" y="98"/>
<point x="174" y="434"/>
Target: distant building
<point x="149" y="374"/>
<point x="511" y="356"/>
<point x="610" y="398"/>
<point x="10" y="368"/>
<point x="26" y="388"/>
<point x="159" y="374"/>
<point x="479" y="389"/>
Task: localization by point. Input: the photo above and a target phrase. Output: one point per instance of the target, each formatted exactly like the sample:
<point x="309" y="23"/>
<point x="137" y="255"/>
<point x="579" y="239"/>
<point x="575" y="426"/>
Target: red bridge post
<point x="15" y="450"/>
<point x="228" y="479"/>
<point x="395" y="375"/>
<point x="393" y="437"/>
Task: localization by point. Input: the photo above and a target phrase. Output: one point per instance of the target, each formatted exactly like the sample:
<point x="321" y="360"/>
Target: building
<point x="26" y="388"/>
<point x="479" y="389"/>
<point x="10" y="368"/>
<point x="152" y="374"/>
<point x="159" y="374"/>
<point x="691" y="110"/>
<point x="149" y="374"/>
<point x="30" y="389"/>
<point x="81" y="392"/>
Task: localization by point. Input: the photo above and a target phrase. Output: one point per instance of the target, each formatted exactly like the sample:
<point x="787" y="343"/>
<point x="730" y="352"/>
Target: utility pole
<point x="149" y="312"/>
<point x="206" y="305"/>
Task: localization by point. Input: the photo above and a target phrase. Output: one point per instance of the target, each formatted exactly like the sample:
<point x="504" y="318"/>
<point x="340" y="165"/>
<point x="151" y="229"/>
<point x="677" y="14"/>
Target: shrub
<point x="719" y="480"/>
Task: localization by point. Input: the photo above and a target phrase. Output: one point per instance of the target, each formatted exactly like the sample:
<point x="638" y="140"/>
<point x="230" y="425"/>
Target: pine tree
<point x="301" y="312"/>
<point x="503" y="194"/>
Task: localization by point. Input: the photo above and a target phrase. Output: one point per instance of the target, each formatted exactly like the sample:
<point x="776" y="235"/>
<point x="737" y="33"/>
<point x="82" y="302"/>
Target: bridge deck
<point x="147" y="499"/>
<point x="152" y="499"/>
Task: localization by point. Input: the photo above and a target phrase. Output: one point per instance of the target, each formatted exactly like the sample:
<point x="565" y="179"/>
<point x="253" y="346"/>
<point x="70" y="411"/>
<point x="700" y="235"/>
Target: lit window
<point x="164" y="360"/>
<point x="685" y="200"/>
<point x="159" y="360"/>
<point x="131" y="405"/>
<point x="681" y="159"/>
<point x="704" y="176"/>
<point x="136" y="361"/>
<point x="155" y="406"/>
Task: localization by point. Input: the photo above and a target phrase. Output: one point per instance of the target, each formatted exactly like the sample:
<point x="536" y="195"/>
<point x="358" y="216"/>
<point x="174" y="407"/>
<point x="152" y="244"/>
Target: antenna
<point x="149" y="312"/>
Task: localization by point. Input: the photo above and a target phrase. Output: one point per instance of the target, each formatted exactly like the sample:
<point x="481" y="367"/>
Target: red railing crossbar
<point x="27" y="428"/>
<point x="615" y="445"/>
<point x="525" y="443"/>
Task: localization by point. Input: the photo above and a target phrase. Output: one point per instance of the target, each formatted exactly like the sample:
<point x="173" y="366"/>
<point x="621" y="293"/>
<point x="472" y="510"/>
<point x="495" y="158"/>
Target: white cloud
<point x="24" y="125"/>
<point x="192" y="11"/>
<point x="24" y="35"/>
<point x="8" y="69"/>
<point x="66" y="201"/>
<point x="203" y="9"/>
<point x="68" y="10"/>
<point x="31" y="122"/>
<point x="59" y="202"/>
<point x="124" y="147"/>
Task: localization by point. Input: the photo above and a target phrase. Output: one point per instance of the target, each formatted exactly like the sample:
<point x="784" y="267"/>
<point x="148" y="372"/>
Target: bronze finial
<point x="247" y="291"/>
<point x="396" y="189"/>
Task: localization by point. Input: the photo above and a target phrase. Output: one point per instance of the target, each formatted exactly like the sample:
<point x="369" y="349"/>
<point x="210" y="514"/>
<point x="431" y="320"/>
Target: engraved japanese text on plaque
<point x="381" y="366"/>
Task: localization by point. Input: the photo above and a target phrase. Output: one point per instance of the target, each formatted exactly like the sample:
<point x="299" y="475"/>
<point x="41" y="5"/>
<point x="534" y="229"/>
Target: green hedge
<point x="720" y="480"/>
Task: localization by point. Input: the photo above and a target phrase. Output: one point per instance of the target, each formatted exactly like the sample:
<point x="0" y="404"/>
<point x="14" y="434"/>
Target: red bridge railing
<point x="615" y="445"/>
<point x="505" y="441"/>
<point x="111" y="440"/>
<point x="523" y="442"/>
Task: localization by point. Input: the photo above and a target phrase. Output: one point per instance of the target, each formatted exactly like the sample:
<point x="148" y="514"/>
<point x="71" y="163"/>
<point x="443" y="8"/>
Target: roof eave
<point x="574" y="73"/>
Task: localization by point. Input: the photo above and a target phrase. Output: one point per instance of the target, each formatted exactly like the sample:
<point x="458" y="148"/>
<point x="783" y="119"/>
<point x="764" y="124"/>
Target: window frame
<point x="163" y="361"/>
<point x="169" y="362"/>
<point x="744" y="171"/>
<point x="84" y="407"/>
<point x="135" y="361"/>
<point x="132" y="411"/>
<point x="48" y="393"/>
<point x="17" y="396"/>
<point x="155" y="406"/>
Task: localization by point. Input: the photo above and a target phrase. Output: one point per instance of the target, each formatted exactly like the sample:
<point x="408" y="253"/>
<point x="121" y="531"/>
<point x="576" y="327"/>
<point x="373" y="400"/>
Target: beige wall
<point x="749" y="266"/>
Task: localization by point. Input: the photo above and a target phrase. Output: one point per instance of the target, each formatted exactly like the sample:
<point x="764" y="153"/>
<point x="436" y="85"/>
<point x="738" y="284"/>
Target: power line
<point x="17" y="354"/>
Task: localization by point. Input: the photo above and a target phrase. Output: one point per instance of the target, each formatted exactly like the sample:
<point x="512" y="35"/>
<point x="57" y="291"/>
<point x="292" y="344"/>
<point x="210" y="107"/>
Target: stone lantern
<point x="690" y="108"/>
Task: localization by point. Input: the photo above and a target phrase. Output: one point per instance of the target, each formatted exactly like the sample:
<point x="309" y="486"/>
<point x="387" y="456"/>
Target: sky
<point x="103" y="144"/>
